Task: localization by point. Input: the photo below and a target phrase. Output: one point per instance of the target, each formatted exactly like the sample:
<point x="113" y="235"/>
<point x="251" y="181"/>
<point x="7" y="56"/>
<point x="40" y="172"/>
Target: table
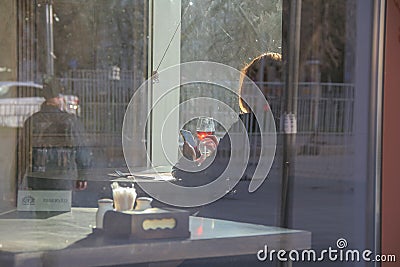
<point x="158" y="174"/>
<point x="66" y="239"/>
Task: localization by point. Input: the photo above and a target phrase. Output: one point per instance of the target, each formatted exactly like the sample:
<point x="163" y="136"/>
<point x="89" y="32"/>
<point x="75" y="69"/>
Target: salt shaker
<point x="104" y="205"/>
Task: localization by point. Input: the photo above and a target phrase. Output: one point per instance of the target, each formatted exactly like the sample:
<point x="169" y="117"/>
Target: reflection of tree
<point x="73" y="38"/>
<point x="231" y="32"/>
<point x="99" y="34"/>
<point x="323" y="37"/>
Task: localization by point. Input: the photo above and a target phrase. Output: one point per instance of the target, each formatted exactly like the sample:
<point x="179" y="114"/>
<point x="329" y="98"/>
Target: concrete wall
<point x="8" y="71"/>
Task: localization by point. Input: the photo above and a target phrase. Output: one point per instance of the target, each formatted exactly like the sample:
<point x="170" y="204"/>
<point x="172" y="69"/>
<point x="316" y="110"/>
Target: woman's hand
<point x="213" y="138"/>
<point x="207" y="147"/>
<point x="210" y="143"/>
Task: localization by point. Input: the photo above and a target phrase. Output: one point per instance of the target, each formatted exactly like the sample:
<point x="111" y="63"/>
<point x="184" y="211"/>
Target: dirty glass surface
<point x="101" y="52"/>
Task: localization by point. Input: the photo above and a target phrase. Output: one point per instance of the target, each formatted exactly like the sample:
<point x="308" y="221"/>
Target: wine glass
<point x="205" y="126"/>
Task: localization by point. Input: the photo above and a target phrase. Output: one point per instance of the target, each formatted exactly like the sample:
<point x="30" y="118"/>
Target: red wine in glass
<point x="202" y="134"/>
<point x="205" y="126"/>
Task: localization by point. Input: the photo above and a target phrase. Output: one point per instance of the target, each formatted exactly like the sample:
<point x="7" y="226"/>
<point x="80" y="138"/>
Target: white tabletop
<point x="67" y="240"/>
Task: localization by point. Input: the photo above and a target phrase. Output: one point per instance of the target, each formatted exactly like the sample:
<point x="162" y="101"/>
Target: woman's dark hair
<point x="266" y="67"/>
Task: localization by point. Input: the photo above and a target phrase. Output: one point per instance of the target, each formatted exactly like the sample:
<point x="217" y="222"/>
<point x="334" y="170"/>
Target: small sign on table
<point x="44" y="200"/>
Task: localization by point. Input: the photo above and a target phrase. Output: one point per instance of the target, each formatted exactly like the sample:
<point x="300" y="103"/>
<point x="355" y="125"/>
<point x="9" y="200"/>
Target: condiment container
<point x="124" y="197"/>
<point x="104" y="206"/>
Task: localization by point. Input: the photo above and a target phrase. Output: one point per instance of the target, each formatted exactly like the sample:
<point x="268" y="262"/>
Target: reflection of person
<point x="54" y="140"/>
<point x="264" y="68"/>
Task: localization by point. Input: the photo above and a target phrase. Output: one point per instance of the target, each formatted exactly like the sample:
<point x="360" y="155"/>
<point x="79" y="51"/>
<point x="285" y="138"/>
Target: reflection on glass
<point x="103" y="53"/>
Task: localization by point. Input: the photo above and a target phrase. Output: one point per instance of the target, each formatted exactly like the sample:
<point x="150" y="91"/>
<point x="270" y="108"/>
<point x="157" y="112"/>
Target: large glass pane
<point x="93" y="92"/>
<point x="97" y="51"/>
<point x="330" y="191"/>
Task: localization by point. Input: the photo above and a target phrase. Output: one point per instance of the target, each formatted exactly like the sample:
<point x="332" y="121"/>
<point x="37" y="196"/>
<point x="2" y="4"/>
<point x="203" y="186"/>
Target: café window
<point x="280" y="89"/>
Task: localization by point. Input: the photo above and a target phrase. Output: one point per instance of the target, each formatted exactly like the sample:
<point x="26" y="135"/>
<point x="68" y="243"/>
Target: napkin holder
<point x="153" y="223"/>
